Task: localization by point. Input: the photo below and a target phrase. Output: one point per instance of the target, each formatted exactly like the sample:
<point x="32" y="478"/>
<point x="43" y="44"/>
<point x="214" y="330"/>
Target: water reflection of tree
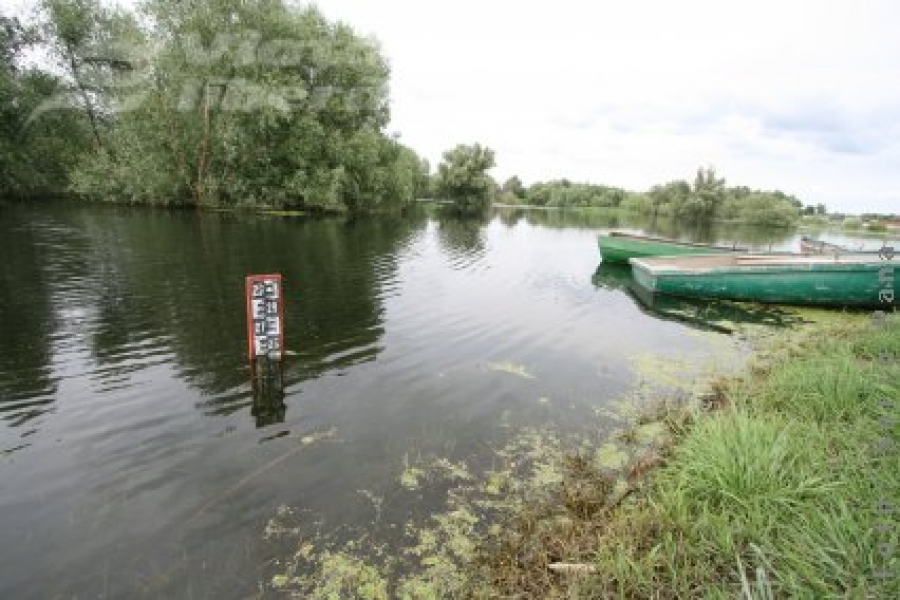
<point x="760" y="237"/>
<point x="181" y="276"/>
<point x="588" y="218"/>
<point x="510" y="216"/>
<point x="716" y="232"/>
<point x="703" y="231"/>
<point x="26" y="320"/>
<point x="462" y="236"/>
<point x="694" y="230"/>
<point x="121" y="322"/>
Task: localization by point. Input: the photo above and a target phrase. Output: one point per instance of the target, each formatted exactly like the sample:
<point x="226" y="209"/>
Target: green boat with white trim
<point x="619" y="247"/>
<point x="849" y="280"/>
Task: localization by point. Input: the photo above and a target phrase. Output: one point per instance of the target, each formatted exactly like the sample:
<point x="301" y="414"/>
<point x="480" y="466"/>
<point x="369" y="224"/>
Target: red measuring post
<point x="265" y="316"/>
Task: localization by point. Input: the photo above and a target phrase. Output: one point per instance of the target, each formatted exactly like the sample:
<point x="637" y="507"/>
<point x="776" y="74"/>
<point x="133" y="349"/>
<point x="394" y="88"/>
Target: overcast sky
<point x="798" y="96"/>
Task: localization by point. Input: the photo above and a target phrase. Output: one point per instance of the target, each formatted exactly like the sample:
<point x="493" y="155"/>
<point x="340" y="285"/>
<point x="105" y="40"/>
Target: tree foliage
<point x="706" y="199"/>
<point x="255" y="103"/>
<point x="563" y="193"/>
<point x="80" y="35"/>
<point x="709" y="198"/>
<point x="463" y="177"/>
<point x="225" y="102"/>
<point x="514" y="188"/>
<point x="36" y="156"/>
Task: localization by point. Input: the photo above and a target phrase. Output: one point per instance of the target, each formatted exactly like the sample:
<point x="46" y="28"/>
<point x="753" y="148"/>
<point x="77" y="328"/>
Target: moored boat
<point x="851" y="279"/>
<point x="619" y="247"/>
<point x="809" y="245"/>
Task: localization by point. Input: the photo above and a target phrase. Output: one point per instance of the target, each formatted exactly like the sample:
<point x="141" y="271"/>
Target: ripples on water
<point x="131" y="458"/>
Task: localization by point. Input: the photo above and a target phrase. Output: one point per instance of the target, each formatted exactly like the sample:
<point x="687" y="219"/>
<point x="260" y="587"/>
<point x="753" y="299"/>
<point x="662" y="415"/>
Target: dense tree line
<point x="563" y="193"/>
<point x="708" y="198"/>
<point x="213" y="102"/>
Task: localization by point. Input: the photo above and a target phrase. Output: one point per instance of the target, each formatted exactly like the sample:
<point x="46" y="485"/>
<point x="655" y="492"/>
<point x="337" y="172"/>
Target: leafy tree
<point x="707" y="195"/>
<point x="538" y="194"/>
<point x="423" y="185"/>
<point x="36" y="157"/>
<point x="13" y="39"/>
<point x="669" y="198"/>
<point x="463" y="177"/>
<point x="564" y="193"/>
<point x="242" y="102"/>
<point x="514" y="187"/>
<point x="767" y="208"/>
<point x="639" y="203"/>
<point x="81" y="35"/>
<point x="710" y="199"/>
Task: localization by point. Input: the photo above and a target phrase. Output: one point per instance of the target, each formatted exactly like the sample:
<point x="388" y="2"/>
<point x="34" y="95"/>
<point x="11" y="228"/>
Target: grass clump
<point x="746" y="470"/>
<point x="782" y="492"/>
<point x="823" y="388"/>
<point x="883" y="343"/>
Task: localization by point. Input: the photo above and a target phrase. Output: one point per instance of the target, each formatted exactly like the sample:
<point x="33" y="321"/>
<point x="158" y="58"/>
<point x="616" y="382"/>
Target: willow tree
<point x="81" y="35"/>
<point x="252" y="102"/>
<point x="514" y="187"/>
<point x="463" y="177"/>
<point x="707" y="194"/>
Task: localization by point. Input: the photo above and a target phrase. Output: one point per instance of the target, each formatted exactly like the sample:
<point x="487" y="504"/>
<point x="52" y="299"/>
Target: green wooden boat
<point x="809" y="245"/>
<point x="852" y="280"/>
<point x="619" y="247"/>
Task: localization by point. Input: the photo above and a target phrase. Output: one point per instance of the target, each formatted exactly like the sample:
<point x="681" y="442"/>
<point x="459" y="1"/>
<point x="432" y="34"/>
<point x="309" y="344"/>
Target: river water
<point x="135" y="460"/>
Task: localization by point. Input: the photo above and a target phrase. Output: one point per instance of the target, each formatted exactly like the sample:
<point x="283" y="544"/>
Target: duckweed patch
<point x="540" y="501"/>
<point x="511" y="368"/>
<point x="762" y="485"/>
<point x="413" y="476"/>
<point x="610" y="456"/>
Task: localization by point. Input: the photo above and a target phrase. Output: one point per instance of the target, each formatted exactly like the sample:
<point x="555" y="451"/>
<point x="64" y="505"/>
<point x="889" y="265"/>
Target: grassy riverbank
<point x="775" y="493"/>
<point x="766" y="485"/>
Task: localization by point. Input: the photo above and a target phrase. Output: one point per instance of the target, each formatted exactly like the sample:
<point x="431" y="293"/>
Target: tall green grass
<point x="778" y="496"/>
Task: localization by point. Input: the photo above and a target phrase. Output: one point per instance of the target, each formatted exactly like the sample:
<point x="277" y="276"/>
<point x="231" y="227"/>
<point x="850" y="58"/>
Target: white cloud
<point x="802" y="96"/>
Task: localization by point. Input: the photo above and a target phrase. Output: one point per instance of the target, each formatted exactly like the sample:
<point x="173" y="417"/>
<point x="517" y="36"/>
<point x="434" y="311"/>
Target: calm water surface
<point x="134" y="460"/>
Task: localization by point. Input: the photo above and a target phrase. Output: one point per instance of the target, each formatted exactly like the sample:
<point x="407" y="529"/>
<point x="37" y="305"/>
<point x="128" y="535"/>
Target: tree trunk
<point x="85" y="97"/>
<point x="200" y="189"/>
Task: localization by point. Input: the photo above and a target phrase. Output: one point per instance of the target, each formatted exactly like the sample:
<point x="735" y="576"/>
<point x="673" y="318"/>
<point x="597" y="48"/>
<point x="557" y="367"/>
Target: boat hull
<point x="811" y="246"/>
<point x="620" y="249"/>
<point x="870" y="285"/>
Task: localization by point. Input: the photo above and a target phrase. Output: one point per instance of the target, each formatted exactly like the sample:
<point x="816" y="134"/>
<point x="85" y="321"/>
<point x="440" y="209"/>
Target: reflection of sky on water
<point x="137" y="449"/>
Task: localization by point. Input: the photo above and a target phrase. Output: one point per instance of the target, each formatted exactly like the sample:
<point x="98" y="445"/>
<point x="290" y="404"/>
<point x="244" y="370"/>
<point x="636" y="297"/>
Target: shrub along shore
<point x="780" y="482"/>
